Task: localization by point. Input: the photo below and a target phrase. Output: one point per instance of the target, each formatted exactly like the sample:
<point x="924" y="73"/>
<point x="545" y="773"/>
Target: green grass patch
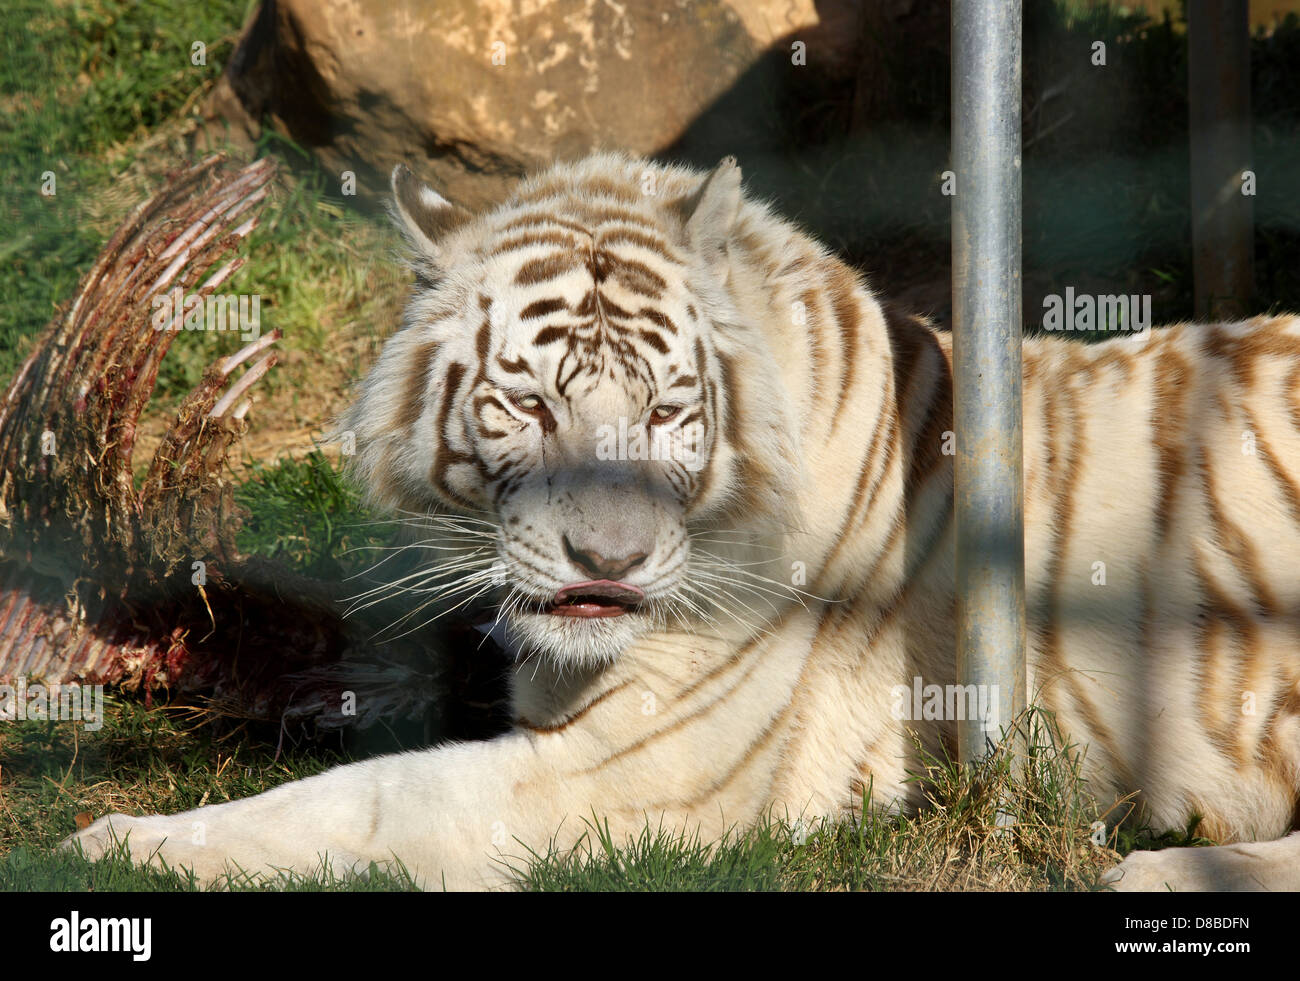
<point x="80" y="83"/>
<point x="27" y="870"/>
<point x="141" y="761"/>
<point x="304" y="512"/>
<point x="102" y="96"/>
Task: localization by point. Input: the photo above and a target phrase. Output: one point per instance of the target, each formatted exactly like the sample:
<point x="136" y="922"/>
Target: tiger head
<point x="579" y="395"/>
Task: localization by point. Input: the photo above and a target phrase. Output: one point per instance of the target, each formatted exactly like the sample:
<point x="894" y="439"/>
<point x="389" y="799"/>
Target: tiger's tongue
<point x="598" y="598"/>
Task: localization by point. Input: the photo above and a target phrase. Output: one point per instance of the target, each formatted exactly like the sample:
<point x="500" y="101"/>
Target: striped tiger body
<point x="698" y="474"/>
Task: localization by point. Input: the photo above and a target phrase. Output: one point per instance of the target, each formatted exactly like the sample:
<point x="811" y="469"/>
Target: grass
<point x="85" y="87"/>
<point x="31" y="871"/>
<point x="104" y="96"/>
<point x="140" y="760"/>
<point x="303" y="512"/>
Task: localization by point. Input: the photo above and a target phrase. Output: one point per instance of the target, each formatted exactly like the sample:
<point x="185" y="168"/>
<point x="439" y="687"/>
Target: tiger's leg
<point x="702" y="761"/>
<point x="450" y="814"/>
<point x="1272" y="866"/>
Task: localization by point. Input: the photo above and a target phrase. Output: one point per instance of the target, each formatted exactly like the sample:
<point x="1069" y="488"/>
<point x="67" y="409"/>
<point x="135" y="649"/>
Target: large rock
<point x="487" y="89"/>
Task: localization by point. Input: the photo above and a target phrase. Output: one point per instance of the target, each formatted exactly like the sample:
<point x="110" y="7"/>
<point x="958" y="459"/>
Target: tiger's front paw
<point x="1145" y="872"/>
<point x="1244" y="867"/>
<point x="157" y="841"/>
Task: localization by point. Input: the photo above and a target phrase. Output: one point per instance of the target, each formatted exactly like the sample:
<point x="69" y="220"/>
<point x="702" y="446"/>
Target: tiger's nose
<point x="600" y="566"/>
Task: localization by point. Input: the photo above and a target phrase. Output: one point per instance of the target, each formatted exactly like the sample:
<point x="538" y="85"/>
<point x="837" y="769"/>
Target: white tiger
<point x="698" y="469"/>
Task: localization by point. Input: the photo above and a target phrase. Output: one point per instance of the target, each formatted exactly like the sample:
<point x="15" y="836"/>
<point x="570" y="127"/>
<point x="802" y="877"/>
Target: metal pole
<point x="989" y="489"/>
<point x="1218" y="97"/>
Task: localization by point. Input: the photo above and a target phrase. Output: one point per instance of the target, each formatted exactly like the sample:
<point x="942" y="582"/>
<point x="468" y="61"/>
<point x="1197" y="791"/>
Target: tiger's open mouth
<point x="599" y="598"/>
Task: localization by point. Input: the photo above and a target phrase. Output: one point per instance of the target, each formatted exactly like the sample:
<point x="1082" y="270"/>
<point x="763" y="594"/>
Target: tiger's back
<point x="1162" y="511"/>
<point x="1162" y="516"/>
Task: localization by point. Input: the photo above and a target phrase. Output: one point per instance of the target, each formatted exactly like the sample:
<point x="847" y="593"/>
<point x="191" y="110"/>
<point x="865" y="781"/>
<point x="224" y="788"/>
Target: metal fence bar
<point x="989" y="491"/>
<point x="1218" y="96"/>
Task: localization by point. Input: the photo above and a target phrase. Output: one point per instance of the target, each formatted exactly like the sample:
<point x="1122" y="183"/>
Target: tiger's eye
<point x="528" y="403"/>
<point x="662" y="413"/>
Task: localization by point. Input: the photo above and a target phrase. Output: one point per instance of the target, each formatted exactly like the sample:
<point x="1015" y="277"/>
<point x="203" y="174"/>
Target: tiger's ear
<point x="711" y="211"/>
<point x="423" y="214"/>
